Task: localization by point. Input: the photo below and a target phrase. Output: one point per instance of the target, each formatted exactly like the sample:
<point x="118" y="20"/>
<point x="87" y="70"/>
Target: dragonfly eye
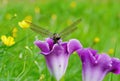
<point x="58" y="38"/>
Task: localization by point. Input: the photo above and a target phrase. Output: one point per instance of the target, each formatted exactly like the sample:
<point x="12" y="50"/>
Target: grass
<point x="21" y="62"/>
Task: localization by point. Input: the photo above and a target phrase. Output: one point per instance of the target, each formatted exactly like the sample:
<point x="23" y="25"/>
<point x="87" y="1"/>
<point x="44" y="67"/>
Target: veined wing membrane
<point x="40" y="30"/>
<point x="68" y="32"/>
<point x="69" y="29"/>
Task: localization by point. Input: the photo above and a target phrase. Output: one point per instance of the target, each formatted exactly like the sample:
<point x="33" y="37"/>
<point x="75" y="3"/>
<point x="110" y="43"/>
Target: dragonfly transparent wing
<point x="42" y="31"/>
<point x="68" y="32"/>
<point x="69" y="29"/>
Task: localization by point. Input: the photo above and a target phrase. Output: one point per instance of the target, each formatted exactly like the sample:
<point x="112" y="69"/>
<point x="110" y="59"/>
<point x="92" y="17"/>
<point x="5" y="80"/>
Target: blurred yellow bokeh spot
<point x="37" y="10"/>
<point x="54" y="16"/>
<point x="73" y="4"/>
<point x="111" y="51"/>
<point x="96" y="40"/>
<point x="14" y="32"/>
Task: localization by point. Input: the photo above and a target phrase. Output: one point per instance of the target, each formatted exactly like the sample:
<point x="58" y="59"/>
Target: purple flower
<point x="96" y="66"/>
<point x="57" y="55"/>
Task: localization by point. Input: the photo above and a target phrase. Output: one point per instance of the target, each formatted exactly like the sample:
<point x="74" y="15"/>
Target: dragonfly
<point x="55" y="36"/>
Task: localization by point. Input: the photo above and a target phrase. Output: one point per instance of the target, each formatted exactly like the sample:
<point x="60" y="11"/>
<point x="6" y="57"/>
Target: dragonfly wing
<point x="40" y="30"/>
<point x="69" y="29"/>
<point x="68" y="32"/>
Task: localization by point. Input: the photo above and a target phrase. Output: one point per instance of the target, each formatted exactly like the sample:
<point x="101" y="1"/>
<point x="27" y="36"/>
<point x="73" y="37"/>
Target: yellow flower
<point x="96" y="40"/>
<point x="37" y="10"/>
<point x="24" y="23"/>
<point x="111" y="51"/>
<point x="14" y="32"/>
<point x="28" y="19"/>
<point x="8" y="41"/>
<point x="54" y="16"/>
<point x="73" y="4"/>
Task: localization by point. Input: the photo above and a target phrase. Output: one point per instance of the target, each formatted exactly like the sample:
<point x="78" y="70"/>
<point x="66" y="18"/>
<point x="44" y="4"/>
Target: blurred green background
<point x="21" y="61"/>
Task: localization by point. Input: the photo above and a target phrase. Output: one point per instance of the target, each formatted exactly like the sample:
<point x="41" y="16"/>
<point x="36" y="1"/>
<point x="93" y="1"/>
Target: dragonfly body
<point x="55" y="36"/>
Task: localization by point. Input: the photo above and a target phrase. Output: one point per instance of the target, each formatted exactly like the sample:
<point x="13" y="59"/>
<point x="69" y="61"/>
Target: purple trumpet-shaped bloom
<point x="57" y="55"/>
<point x="96" y="66"/>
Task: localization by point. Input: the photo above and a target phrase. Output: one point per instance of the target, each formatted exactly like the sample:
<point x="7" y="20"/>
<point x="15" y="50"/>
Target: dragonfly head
<point x="56" y="37"/>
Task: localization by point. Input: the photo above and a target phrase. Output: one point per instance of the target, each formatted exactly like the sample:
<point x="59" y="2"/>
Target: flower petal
<point x="57" y="61"/>
<point x="73" y="45"/>
<point x="96" y="66"/>
<point x="42" y="45"/>
<point x="57" y="55"/>
<point x="50" y="42"/>
<point x="115" y="66"/>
